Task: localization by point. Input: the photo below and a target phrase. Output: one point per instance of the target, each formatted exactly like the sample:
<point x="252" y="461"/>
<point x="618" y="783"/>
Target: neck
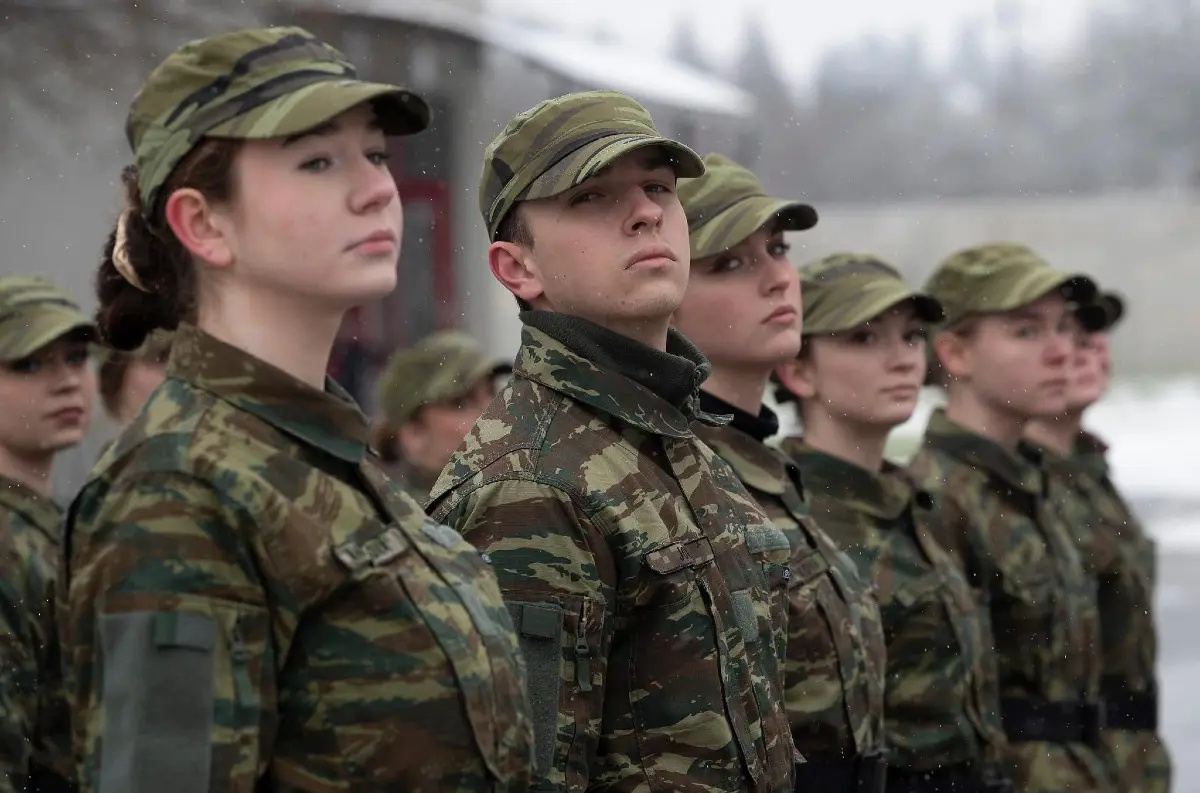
<point x="859" y="444"/>
<point x="31" y="471"/>
<point x="652" y="333"/>
<point x="294" y="338"/>
<point x="743" y="390"/>
<point x="966" y="409"/>
<point x="1057" y="434"/>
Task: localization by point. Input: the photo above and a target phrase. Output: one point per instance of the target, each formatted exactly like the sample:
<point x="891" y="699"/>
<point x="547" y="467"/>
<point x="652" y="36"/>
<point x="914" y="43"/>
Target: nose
<point x="374" y="187"/>
<point x="904" y="356"/>
<point x="1060" y="347"/>
<point x="68" y="377"/>
<point x="644" y="213"/>
<point x="779" y="276"/>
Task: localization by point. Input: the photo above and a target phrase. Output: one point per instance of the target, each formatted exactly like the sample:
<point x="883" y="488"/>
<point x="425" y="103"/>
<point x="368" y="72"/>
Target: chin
<point x="364" y="289"/>
<point x="1045" y="408"/>
<point x="893" y="415"/>
<point x="661" y="300"/>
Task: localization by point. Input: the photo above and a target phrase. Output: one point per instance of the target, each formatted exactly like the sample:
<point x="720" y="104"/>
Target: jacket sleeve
<point x="166" y="639"/>
<point x="18" y="684"/>
<point x="557" y="577"/>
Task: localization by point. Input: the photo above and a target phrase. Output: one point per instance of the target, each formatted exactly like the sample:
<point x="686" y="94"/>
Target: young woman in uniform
<point x="742" y="309"/>
<point x="250" y="605"/>
<point x="857" y="377"/>
<point x="47" y="390"/>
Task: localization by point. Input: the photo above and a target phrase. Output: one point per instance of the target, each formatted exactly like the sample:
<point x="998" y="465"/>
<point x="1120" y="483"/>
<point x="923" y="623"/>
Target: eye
<point x="316" y="164"/>
<point x="864" y="336"/>
<point x="779" y="249"/>
<point x="725" y="264"/>
<point x="24" y="366"/>
<point x="916" y="336"/>
<point x="659" y="187"/>
<point x="379" y="157"/>
<point x="78" y="358"/>
<point x="583" y="197"/>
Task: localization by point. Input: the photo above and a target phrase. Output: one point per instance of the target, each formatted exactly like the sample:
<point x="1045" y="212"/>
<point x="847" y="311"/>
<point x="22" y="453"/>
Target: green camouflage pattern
<point x="834" y="664"/>
<point x="996" y="519"/>
<point x="356" y="644"/>
<point x="624" y="549"/>
<point x="1002" y="277"/>
<point x="443" y="366"/>
<point x="562" y="142"/>
<point x="941" y="707"/>
<point x="35" y="730"/>
<point x="844" y="290"/>
<point x="33" y="313"/>
<point x="1110" y="534"/>
<point x="156" y="347"/>
<point x="728" y="204"/>
<point x="254" y="83"/>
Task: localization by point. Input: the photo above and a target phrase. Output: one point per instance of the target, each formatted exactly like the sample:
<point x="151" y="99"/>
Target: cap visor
<point x="877" y="300"/>
<point x="399" y="112"/>
<point x="1043" y="281"/>
<point x="583" y="163"/>
<point x="723" y="231"/>
<point x="1114" y="306"/>
<point x="41" y="328"/>
<point x="1093" y="317"/>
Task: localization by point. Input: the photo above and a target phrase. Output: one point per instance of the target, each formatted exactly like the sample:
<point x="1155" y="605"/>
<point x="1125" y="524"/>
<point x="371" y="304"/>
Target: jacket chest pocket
<point x="690" y="615"/>
<point x="770" y="547"/>
<point x="1024" y="622"/>
<point x="428" y="614"/>
<point x="835" y="632"/>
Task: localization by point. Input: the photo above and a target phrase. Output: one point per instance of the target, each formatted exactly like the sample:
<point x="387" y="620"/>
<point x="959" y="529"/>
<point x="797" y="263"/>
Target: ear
<point x="797" y="376"/>
<point x="953" y="353"/>
<point x="513" y="266"/>
<point x="201" y="230"/>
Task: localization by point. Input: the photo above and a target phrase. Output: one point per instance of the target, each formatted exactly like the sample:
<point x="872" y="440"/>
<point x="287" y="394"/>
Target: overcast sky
<point x="800" y="29"/>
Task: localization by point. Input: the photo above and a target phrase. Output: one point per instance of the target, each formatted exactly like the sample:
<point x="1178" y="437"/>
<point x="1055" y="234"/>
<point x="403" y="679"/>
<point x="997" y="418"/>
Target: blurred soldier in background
<point x="430" y="397"/>
<point x="47" y="394"/>
<point x="1122" y="557"/>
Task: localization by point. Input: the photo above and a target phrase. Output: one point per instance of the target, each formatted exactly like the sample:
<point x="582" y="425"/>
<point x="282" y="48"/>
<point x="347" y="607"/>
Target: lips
<point x="649" y="254"/>
<point x="383" y="236"/>
<point x="781" y="313"/>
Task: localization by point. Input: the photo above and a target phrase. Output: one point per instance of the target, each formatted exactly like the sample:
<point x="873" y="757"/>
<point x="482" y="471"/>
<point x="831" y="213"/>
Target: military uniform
<point x="253" y="605"/>
<point x="1128" y="636"/>
<point x="942" y="709"/>
<point x="1121" y="560"/>
<point x="834" y="658"/>
<point x="997" y="518"/>
<point x="248" y="604"/>
<point x="35" y="737"/>
<point x="443" y="367"/>
<point x="622" y="544"/>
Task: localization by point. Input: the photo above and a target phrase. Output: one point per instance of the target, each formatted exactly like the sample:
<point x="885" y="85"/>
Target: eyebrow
<point x="326" y="129"/>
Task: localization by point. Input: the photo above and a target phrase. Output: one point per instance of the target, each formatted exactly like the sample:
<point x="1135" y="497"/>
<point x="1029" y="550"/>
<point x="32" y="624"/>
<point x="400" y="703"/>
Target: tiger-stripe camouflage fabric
<point x="622" y="545"/>
<point x="250" y="605"/>
<point x="835" y="655"/>
<point x="995" y="518"/>
<point x="1122" y="557"/>
<point x="941" y="707"/>
<point x="35" y="734"/>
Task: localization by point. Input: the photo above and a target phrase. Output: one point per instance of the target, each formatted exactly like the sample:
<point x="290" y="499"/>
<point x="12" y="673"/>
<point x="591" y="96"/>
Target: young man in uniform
<point x="618" y="538"/>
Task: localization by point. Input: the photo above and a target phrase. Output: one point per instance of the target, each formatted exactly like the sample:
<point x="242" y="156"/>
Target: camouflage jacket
<point x="624" y="550"/>
<point x="941" y="704"/>
<point x="35" y="735"/>
<point x="252" y="606"/>
<point x="834" y="663"/>
<point x="995" y="516"/>
<point x="1122" y="557"/>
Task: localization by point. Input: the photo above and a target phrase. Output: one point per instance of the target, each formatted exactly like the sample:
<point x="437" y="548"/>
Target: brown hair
<point x="111" y="378"/>
<point x="127" y="315"/>
<point x="935" y="374"/>
<point x="385" y="442"/>
<point x="514" y="229"/>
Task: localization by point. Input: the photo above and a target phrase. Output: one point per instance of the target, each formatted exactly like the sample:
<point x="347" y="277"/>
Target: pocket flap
<point x="808" y="566"/>
<point x="766" y="537"/>
<point x="917" y="590"/>
<point x="680" y="555"/>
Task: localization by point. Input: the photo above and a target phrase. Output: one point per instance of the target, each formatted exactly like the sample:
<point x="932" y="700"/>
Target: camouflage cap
<point x="1004" y="276"/>
<point x="443" y="366"/>
<point x="728" y="204"/>
<point x="254" y="83"/>
<point x="33" y="313"/>
<point x="560" y="143"/>
<point x="1114" y="309"/>
<point x="844" y="290"/>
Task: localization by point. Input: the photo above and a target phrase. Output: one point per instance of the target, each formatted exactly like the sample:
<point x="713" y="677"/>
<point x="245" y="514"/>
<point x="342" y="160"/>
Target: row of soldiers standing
<point x="615" y="582"/>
